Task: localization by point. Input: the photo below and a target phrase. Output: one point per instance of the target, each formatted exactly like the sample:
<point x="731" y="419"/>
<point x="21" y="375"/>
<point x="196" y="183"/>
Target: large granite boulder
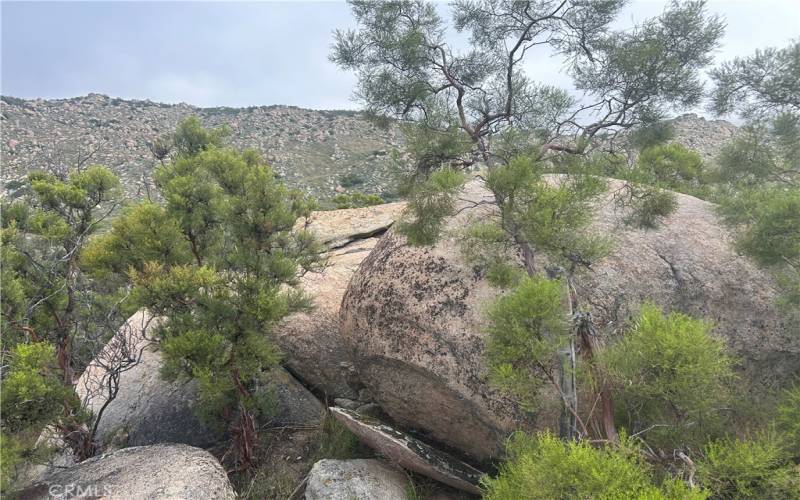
<point x="148" y="409"/>
<point x="311" y="342"/>
<point x="173" y="471"/>
<point x="413" y="317"/>
<point x="364" y="479"/>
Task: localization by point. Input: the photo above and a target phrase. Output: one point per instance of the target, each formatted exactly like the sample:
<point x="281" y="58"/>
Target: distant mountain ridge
<point x="311" y="150"/>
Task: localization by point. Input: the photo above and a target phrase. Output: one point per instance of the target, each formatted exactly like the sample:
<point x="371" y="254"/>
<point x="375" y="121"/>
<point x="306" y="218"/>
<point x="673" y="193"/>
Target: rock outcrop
<point x="311" y="341"/>
<point x="410" y="453"/>
<point x="413" y="316"/>
<point x="171" y="471"/>
<point x="706" y="137"/>
<point x="365" y="479"/>
<point x="337" y="228"/>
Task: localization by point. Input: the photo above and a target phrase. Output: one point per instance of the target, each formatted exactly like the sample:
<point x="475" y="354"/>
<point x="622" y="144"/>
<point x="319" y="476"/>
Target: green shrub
<point x="670" y="375"/>
<point x="751" y="468"/>
<point x="748" y="158"/>
<point x="526" y="328"/>
<point x="544" y="467"/>
<point x="768" y="222"/>
<point x="671" y="164"/>
<point x="33" y="393"/>
<point x="356" y="199"/>
<point x="429" y="203"/>
<point x="789" y="419"/>
<point x="350" y="180"/>
<point x="652" y="134"/>
<point x="648" y="205"/>
<point x="33" y="396"/>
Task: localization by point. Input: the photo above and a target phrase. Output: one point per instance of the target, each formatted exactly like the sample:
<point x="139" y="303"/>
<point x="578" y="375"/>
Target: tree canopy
<point x="408" y="67"/>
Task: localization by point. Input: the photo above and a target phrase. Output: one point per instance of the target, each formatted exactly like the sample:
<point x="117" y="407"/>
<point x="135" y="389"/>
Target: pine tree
<point x="219" y="261"/>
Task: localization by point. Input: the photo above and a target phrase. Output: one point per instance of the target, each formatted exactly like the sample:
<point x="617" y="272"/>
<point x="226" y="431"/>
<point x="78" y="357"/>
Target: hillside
<point x="310" y="149"/>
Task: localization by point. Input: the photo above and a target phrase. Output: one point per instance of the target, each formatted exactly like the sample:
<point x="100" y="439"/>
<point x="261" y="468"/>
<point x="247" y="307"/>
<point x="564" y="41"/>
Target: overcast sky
<point x="257" y="53"/>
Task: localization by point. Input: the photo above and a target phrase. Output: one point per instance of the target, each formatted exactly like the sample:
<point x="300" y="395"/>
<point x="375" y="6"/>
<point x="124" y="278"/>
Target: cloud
<point x="254" y="53"/>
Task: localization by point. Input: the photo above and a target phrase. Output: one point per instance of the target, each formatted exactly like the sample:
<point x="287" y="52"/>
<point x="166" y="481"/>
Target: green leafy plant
<point x="54" y="319"/>
<point x="749" y="468"/>
<point x="356" y="199"/>
<point x="431" y="202"/>
<point x="645" y="206"/>
<point x="652" y="134"/>
<point x="544" y="467"/>
<point x="671" y="165"/>
<point x="526" y="327"/>
<point x="789" y="419"/>
<point x="350" y="180"/>
<point x="671" y="376"/>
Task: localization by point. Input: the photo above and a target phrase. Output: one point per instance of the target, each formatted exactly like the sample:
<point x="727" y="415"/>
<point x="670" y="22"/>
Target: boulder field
<point x="399" y="329"/>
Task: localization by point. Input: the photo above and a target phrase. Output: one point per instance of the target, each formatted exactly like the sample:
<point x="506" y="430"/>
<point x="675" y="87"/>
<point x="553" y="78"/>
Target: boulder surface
<point x="413" y="317"/>
<point x="148" y="409"/>
<point x="409" y="452"/>
<point x="364" y="479"/>
<point x="169" y="471"/>
<point x="310" y="340"/>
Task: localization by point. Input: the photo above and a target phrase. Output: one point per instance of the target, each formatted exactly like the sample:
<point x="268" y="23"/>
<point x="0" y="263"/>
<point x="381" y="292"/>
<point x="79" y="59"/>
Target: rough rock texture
<point x="310" y="149"/>
<point x="172" y="471"/>
<point x="413" y="316"/>
<point x="368" y="479"/>
<point x="147" y="409"/>
<point x="311" y="341"/>
<point x="150" y="410"/>
<point x="337" y="228"/>
<point x="706" y="137"/>
<point x="409" y="452"/>
<point x="295" y="405"/>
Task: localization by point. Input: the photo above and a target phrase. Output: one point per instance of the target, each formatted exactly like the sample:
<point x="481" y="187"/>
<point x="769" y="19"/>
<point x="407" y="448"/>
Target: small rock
<point x="367" y="479"/>
<point x="409" y="452"/>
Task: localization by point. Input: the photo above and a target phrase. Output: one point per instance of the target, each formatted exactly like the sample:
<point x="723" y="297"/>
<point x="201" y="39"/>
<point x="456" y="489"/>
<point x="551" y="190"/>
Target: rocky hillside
<point x="310" y="149"/>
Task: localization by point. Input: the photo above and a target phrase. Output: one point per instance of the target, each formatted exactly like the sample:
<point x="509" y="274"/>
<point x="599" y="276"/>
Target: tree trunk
<point x="243" y="428"/>
<point x="589" y="346"/>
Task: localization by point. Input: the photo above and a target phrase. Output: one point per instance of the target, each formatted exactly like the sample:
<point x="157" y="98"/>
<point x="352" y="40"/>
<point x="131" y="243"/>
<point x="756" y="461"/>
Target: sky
<point x="253" y="53"/>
